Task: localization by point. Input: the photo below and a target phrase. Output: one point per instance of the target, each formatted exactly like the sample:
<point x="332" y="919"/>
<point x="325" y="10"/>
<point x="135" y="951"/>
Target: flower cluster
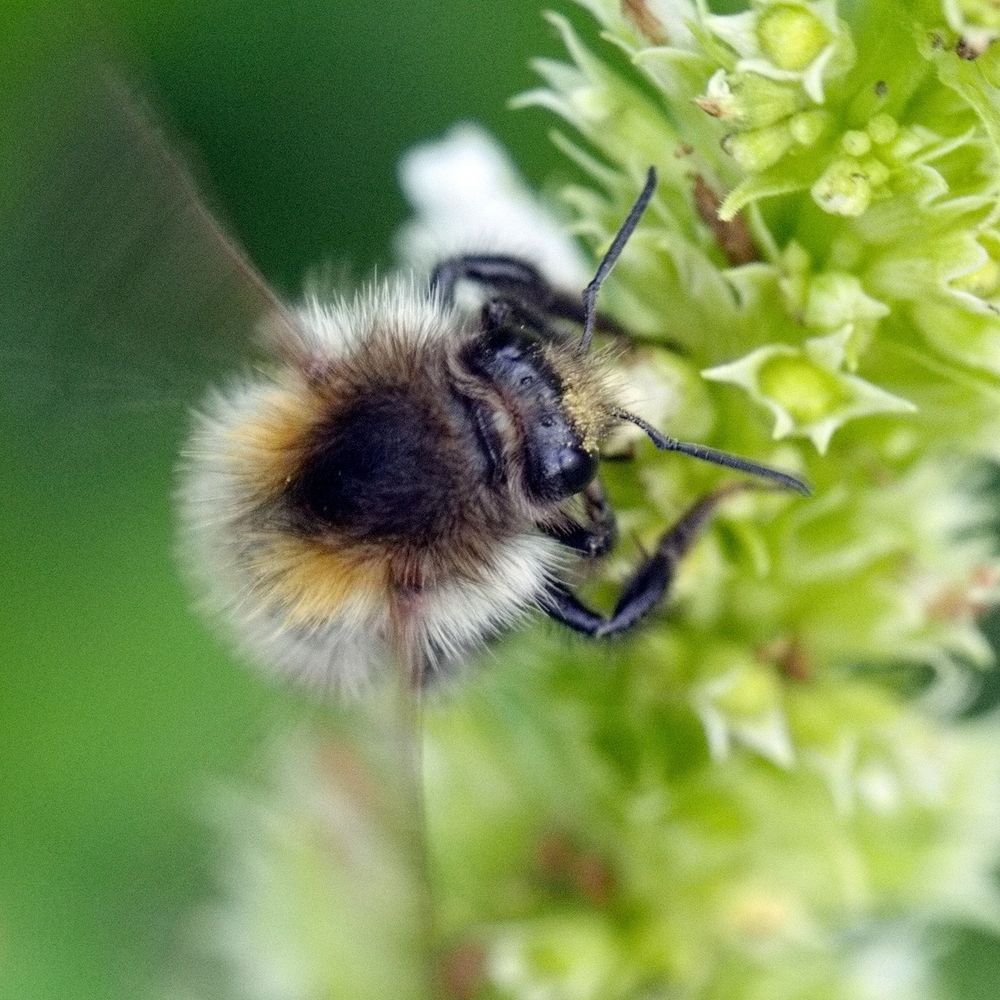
<point x="772" y="807"/>
<point x="836" y="281"/>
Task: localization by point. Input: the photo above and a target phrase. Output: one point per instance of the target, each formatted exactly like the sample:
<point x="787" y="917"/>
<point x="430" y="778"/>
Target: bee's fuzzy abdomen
<point x="388" y="468"/>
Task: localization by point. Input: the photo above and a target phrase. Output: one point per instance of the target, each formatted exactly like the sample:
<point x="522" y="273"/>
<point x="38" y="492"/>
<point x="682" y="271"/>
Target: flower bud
<point x="883" y="128"/>
<point x="876" y="171"/>
<point x="749" y="100"/>
<point x="792" y="37"/>
<point x="807" y="127"/>
<point x="807" y="389"/>
<point x="843" y="189"/>
<point x="790" y="41"/>
<point x="757" y="150"/>
<point x="855" y="143"/>
<point x="800" y="387"/>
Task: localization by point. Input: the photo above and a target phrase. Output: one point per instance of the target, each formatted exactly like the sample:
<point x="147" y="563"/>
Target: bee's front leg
<point x="647" y="586"/>
<point x="598" y="535"/>
<point x="520" y="285"/>
<point x="506" y="274"/>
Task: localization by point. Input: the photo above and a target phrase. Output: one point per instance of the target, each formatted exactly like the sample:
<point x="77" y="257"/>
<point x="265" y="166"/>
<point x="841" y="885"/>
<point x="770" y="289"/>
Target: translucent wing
<point x="118" y="286"/>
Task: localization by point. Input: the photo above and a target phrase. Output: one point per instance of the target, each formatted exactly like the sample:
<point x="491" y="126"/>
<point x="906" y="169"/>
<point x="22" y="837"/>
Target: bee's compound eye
<point x="576" y="469"/>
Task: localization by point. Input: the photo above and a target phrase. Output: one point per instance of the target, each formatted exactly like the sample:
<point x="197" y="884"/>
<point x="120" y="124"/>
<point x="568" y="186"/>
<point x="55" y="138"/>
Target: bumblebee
<point x="409" y="477"/>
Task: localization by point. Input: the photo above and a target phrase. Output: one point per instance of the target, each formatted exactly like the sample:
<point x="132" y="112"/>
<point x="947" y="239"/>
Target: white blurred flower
<point x="468" y="196"/>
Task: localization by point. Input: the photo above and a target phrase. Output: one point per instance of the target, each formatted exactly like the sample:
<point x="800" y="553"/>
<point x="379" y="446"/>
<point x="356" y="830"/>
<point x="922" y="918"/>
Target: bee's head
<point x="557" y="433"/>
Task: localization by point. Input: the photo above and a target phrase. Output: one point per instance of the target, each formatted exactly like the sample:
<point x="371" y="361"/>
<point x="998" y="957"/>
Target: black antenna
<point x="707" y="454"/>
<point x="614" y="252"/>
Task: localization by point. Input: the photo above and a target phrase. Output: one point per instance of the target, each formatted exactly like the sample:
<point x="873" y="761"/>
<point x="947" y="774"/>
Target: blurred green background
<point x="116" y="704"/>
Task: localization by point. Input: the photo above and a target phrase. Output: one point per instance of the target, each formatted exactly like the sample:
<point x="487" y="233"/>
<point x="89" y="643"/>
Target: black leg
<point x="502" y="273"/>
<point x="500" y="314"/>
<point x="595" y="538"/>
<point x="521" y="284"/>
<point x="570" y="307"/>
<point x="648" y="584"/>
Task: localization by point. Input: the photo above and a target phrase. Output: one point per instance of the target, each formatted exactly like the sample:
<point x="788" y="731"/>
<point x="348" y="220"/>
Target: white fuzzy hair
<point x="400" y="306"/>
